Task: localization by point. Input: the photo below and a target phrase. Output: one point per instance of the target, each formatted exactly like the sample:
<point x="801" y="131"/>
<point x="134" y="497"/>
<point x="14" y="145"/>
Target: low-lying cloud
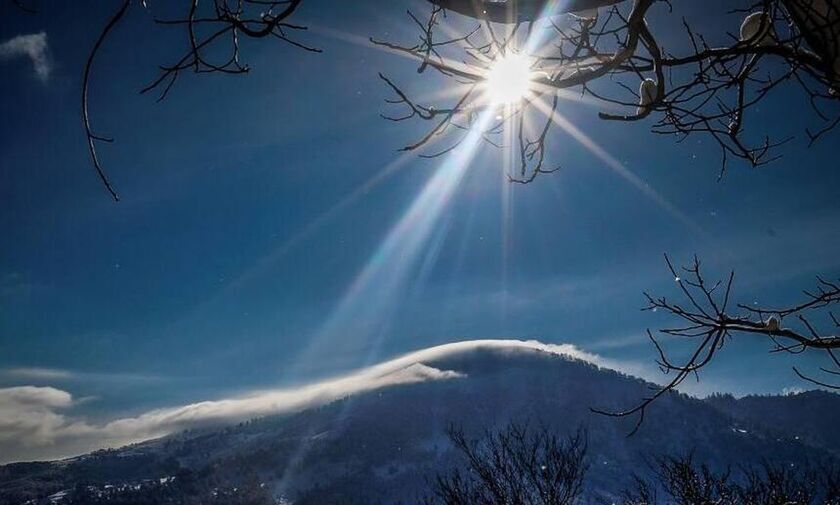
<point x="31" y="417"/>
<point x="34" y="46"/>
<point x="35" y="424"/>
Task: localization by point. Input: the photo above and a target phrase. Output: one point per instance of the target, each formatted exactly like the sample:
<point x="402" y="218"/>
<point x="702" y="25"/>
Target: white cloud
<point x="37" y="373"/>
<point x="30" y="417"/>
<point x="34" y="46"/>
<point x="42" y="374"/>
<point x="633" y="339"/>
<point x="34" y="423"/>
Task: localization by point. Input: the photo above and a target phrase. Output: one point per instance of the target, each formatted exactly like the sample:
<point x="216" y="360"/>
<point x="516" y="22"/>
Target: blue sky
<point x="247" y="250"/>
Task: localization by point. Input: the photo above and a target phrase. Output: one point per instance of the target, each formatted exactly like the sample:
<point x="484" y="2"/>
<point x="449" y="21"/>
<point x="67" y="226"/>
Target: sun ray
<point x="368" y="303"/>
<point x="542" y="24"/>
<point x="457" y="65"/>
<point x="310" y="229"/>
<point x="574" y="97"/>
<point x="450" y="93"/>
<point x="506" y="195"/>
<point x="264" y="264"/>
<point x="377" y="286"/>
<point x="389" y="264"/>
<point x="618" y="167"/>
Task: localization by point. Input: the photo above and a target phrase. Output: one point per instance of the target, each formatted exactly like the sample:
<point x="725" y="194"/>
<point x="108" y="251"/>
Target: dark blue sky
<point x="227" y="266"/>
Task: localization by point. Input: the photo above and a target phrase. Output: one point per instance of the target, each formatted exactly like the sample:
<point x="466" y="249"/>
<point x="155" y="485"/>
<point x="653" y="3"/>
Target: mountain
<point x="384" y="445"/>
<point x="810" y="416"/>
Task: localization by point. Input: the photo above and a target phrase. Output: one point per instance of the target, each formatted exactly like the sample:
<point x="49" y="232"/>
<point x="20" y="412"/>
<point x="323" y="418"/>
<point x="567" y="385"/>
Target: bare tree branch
<point x="709" y="324"/>
<point x="711" y="91"/>
<point x="205" y="28"/>
<point x="516" y="465"/>
<point x="93" y="138"/>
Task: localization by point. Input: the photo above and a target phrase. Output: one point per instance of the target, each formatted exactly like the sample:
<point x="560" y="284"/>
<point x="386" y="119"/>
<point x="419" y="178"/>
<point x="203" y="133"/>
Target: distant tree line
<point x="187" y="487"/>
<point x="514" y="465"/>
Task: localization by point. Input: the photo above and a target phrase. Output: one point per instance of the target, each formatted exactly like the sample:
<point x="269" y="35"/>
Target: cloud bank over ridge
<point x="34" y="423"/>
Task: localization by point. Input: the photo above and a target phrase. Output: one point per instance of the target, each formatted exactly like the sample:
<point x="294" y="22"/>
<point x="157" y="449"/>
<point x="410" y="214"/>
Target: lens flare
<point x="509" y="79"/>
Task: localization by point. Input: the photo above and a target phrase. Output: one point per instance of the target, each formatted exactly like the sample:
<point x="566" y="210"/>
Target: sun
<point x="508" y="80"/>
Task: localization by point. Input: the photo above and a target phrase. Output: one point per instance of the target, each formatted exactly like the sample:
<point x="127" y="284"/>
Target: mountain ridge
<point x="383" y="444"/>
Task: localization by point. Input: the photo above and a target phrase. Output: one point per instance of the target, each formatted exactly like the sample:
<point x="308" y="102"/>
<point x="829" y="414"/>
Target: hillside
<point x="384" y="445"/>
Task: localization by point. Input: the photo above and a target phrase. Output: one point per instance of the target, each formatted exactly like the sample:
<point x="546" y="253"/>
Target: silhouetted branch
<point x="205" y="28"/>
<point x="711" y="90"/>
<point x="93" y="138"/>
<point x="23" y="7"/>
<point x="709" y="324"/>
<point x="226" y="23"/>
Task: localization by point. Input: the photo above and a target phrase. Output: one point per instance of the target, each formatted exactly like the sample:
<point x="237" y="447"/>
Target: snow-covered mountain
<point x="383" y="445"/>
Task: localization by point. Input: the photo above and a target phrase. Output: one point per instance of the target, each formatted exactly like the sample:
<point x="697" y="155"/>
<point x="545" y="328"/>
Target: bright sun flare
<point x="509" y="79"/>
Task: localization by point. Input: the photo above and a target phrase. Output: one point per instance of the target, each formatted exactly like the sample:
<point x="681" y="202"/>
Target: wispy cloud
<point x="34" y="46"/>
<point x="632" y="339"/>
<point x="52" y="375"/>
<point x="13" y="286"/>
<point x="37" y="373"/>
